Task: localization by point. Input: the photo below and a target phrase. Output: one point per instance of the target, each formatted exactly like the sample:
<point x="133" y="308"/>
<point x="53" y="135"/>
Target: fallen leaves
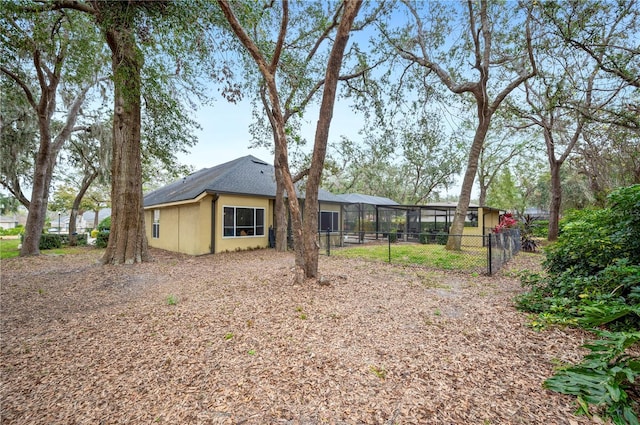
<point x="85" y="343"/>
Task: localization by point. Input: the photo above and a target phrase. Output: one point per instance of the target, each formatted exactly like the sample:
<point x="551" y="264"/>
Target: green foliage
<point x="604" y="377"/>
<point x="393" y="237"/>
<point x="527" y="243"/>
<point x="540" y="229"/>
<point x="103" y="239"/>
<point x="50" y="241"/>
<point x="18" y="230"/>
<point x="593" y="280"/>
<point x="105" y="224"/>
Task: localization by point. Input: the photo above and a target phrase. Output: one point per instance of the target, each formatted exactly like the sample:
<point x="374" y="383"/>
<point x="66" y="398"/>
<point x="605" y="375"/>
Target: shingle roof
<point x="247" y="175"/>
<point x="358" y="198"/>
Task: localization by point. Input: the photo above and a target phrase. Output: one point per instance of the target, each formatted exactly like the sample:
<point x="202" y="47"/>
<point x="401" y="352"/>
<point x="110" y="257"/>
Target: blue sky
<point x="225" y="132"/>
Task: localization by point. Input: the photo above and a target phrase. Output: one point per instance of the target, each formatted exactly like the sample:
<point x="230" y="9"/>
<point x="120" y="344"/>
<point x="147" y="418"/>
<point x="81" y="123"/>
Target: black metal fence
<point x="482" y="254"/>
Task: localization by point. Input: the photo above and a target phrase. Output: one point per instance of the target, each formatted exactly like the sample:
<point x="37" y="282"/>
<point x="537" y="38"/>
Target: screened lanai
<point x="371" y="217"/>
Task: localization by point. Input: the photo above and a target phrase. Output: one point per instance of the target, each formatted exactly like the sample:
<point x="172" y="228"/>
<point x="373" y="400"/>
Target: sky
<point x="225" y="132"/>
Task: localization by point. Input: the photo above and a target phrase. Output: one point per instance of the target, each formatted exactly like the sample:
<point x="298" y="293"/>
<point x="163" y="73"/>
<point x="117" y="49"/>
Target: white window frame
<point x="253" y="231"/>
<point x="155" y="227"/>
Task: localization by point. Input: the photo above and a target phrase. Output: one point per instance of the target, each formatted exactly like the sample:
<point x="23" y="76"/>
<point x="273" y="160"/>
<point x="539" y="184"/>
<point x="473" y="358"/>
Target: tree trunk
<point x="454" y="241"/>
<point x="73" y="217"/>
<point x="556" y="200"/>
<point x="39" y="194"/>
<point x="127" y="238"/>
<point x="482" y="199"/>
<point x="310" y="223"/>
<point x="281" y="214"/>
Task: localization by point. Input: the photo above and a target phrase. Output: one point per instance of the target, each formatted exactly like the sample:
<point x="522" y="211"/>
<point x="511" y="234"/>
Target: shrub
<point x="94" y="233"/>
<point x="50" y="241"/>
<point x="102" y="240"/>
<point x="393" y="236"/>
<point x="18" y="230"/>
<point x="603" y="377"/>
<point x="105" y="224"/>
<point x="540" y="229"/>
<point x="593" y="280"/>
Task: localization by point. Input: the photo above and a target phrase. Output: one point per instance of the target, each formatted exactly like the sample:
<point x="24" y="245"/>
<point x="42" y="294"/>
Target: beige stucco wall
<point x="222" y="243"/>
<point x="487" y="218"/>
<point x="184" y="227"/>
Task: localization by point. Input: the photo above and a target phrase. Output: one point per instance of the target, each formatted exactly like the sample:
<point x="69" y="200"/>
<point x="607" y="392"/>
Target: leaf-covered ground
<point x="229" y="339"/>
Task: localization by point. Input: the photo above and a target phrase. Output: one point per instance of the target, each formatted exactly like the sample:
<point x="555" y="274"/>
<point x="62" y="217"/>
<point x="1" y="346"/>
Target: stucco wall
<point x="184" y="228"/>
<point x="488" y="218"/>
<point x="222" y="243"/>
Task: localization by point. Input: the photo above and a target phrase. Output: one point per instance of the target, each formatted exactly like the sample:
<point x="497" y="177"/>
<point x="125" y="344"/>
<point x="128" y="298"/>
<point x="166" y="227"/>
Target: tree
<point x="409" y="162"/>
<point x="87" y="160"/>
<point x="8" y="204"/>
<point x="19" y="134"/>
<point x="609" y="158"/>
<point x="45" y="48"/>
<point x="300" y="78"/>
<point x="132" y="29"/>
<point x="501" y="147"/>
<point x="497" y="39"/>
<point x="305" y="247"/>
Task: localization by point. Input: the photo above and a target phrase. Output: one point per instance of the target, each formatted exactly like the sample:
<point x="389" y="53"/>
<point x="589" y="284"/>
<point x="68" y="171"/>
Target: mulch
<point x="230" y="339"/>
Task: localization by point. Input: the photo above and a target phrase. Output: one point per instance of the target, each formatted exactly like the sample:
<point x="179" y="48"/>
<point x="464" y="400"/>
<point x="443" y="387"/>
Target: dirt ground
<point x="229" y="339"/>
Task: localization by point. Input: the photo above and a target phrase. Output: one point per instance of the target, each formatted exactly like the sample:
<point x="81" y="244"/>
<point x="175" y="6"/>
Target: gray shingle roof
<point x="247" y="175"/>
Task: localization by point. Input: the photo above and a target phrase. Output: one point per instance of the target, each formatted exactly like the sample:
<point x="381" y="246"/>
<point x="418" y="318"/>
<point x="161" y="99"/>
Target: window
<point x="155" y="227"/>
<point x="243" y="221"/>
<point x="329" y="220"/>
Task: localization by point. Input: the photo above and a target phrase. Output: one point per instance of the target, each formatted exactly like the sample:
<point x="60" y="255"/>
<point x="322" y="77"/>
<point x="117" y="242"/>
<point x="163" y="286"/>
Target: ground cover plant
<point x="592" y="280"/>
<point x="230" y="339"/>
<point x="436" y="256"/>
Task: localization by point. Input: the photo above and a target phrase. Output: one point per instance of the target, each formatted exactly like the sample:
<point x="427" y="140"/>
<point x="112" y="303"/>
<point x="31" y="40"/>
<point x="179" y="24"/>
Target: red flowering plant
<point x="506" y="222"/>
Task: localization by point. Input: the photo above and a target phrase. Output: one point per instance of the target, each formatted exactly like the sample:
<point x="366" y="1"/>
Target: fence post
<point x="489" y="255"/>
<point x="328" y="242"/>
<point x="389" y="242"/>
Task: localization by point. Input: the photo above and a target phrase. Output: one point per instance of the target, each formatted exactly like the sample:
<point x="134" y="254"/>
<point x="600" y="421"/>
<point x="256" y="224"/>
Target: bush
<point x="593" y="280"/>
<point x="105" y="224"/>
<point x="102" y="240"/>
<point x="18" y="230"/>
<point x="540" y="229"/>
<point x="50" y="241"/>
<point x="94" y="233"/>
<point x="393" y="237"/>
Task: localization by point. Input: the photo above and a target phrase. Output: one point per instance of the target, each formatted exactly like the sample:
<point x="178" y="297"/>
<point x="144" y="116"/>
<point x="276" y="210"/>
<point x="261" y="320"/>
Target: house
<point x="228" y="207"/>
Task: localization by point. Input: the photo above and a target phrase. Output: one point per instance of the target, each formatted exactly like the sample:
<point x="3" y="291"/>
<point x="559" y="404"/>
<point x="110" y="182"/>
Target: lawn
<point x="469" y="258"/>
<point x="9" y="249"/>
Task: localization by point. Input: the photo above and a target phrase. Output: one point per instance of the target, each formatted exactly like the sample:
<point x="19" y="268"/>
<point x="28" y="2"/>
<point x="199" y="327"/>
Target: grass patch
<point x="9" y="248"/>
<point x="425" y="255"/>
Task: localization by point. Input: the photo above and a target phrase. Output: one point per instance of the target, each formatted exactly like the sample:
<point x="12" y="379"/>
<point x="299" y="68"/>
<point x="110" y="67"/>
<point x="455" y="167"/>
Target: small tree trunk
<point x="281" y="212"/>
<point x="39" y="198"/>
<point x="556" y="201"/>
<point x="454" y="242"/>
<point x="127" y="238"/>
<point x="73" y="217"/>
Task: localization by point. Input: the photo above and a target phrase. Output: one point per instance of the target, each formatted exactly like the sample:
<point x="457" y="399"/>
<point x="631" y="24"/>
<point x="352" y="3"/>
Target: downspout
<point x="213" y="224"/>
